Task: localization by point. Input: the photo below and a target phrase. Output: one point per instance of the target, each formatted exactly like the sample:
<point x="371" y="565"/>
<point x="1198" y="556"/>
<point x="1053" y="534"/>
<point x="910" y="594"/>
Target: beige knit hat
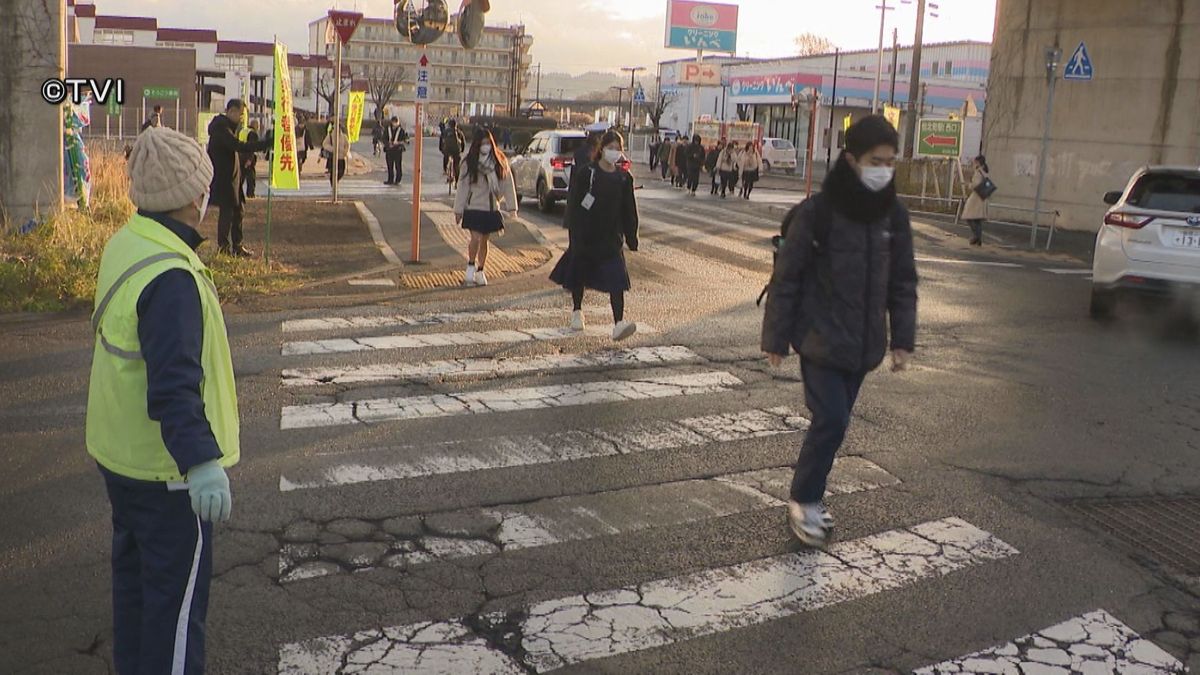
<point x="167" y="170"/>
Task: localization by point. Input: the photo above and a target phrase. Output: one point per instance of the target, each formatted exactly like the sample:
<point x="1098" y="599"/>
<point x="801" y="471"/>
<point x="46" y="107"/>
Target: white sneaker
<point x="623" y="330"/>
<point x="469" y="280"/>
<point x="577" y="322"/>
<point x="807" y="524"/>
<point x="480" y="278"/>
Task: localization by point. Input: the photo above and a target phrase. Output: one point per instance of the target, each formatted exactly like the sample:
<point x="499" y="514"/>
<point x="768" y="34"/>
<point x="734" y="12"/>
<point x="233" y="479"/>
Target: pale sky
<point x="609" y="33"/>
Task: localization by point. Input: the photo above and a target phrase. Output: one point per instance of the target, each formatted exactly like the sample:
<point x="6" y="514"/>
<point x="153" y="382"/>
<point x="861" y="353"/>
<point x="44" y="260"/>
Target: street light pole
<point x="883" y="10"/>
<point x="914" y="83"/>
<point x="462" y="112"/>
<point x="633" y="71"/>
<point x="1053" y="57"/>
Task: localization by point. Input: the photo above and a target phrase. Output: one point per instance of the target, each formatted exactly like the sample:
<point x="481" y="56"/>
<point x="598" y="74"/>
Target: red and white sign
<point x="704" y="26"/>
<point x="345" y="23"/>
<point x="703" y="75"/>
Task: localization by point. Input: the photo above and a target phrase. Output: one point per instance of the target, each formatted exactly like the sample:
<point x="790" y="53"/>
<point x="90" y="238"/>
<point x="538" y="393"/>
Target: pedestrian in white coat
<point x="487" y="191"/>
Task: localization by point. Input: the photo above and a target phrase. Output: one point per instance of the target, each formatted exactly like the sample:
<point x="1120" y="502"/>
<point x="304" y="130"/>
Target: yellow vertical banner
<point x="893" y="115"/>
<point x="354" y="116"/>
<point x="847" y="121"/>
<point x="285" y="172"/>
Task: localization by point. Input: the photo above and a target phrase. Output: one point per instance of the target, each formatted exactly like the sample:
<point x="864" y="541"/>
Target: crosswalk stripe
<point x="487" y="368"/>
<point x="566" y="631"/>
<point x="1067" y="271"/>
<point x="500" y="452"/>
<point x="563" y="519"/>
<point x="505" y="400"/>
<point x="980" y="263"/>
<point x="1096" y="642"/>
<point x="659" y="228"/>
<point x="491" y="337"/>
<point x="395" y="320"/>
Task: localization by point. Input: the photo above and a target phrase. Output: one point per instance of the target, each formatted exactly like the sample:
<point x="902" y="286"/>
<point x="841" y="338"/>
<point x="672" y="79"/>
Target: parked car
<point x="779" y="153"/>
<point x="542" y="168"/>
<point x="1149" y="243"/>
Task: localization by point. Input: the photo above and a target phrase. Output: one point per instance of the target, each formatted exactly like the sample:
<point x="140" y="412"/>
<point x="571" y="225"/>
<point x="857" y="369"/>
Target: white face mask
<point x="203" y="208"/>
<point x="612" y="156"/>
<point x="485" y="150"/>
<point x="876" y="178"/>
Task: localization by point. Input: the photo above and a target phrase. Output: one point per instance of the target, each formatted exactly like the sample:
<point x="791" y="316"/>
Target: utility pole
<point x="620" y="102"/>
<point x="895" y="62"/>
<point x="883" y="10"/>
<point x="633" y="71"/>
<point x="1053" y="57"/>
<point x="539" y="83"/>
<point x="837" y="60"/>
<point x="914" y="83"/>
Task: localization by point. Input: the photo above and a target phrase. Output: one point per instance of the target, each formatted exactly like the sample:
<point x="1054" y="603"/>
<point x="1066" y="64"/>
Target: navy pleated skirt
<point x="483" y="222"/>
<point x="575" y="271"/>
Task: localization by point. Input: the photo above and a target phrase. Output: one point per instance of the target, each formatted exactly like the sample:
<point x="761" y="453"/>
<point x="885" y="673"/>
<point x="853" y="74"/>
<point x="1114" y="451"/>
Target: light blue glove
<point x="208" y="486"/>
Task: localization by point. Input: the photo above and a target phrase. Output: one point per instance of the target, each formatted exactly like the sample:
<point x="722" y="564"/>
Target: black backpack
<point x="820" y="233"/>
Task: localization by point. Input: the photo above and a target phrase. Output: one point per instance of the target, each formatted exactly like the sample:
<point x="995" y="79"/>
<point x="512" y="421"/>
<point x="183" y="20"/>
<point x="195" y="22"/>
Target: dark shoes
<point x="239" y="252"/>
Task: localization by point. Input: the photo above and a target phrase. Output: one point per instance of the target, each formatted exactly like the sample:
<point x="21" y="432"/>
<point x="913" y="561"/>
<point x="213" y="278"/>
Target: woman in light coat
<point x="487" y="190"/>
<point x="727" y="165"/>
<point x="343" y="151"/>
<point x="975" y="210"/>
<point x="750" y="163"/>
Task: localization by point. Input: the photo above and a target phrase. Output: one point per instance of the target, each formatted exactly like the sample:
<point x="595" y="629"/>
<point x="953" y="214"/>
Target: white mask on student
<point x="612" y="156"/>
<point x="485" y="150"/>
<point x="876" y="178"/>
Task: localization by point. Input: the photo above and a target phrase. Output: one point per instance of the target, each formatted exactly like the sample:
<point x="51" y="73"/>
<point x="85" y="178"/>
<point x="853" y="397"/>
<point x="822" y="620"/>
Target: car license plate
<point x="1185" y="238"/>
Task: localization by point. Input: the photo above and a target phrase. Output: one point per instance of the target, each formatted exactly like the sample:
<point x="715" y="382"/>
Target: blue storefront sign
<point x="703" y="38"/>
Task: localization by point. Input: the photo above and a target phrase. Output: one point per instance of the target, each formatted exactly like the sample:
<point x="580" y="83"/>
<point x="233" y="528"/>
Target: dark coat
<point x="695" y="157"/>
<point x="831" y="296"/>
<point x="599" y="233"/>
<point x="223" y="149"/>
<point x="710" y="160"/>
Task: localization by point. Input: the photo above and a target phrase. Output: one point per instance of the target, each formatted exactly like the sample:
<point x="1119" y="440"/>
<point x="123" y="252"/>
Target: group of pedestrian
<point x="162" y="418"/>
<point x="727" y="163"/>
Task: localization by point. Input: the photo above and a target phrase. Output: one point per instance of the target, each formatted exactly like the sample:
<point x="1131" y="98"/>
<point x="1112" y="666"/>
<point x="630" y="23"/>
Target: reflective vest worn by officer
<point x="120" y="434"/>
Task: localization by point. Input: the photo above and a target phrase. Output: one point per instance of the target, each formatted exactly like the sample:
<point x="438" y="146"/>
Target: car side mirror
<point x="1111" y="198"/>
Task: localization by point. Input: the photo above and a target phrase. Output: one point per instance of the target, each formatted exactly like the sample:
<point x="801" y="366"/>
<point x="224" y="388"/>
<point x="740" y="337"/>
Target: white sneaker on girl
<point x="469" y="280"/>
<point x="623" y="330"/>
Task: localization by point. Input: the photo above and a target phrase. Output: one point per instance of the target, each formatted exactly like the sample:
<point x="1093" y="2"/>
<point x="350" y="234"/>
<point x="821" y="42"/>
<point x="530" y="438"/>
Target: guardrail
<point x="1021" y="209"/>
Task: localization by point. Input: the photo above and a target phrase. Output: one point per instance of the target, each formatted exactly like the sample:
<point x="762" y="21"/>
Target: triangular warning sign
<point x="345" y="23"/>
<point x="1080" y="65"/>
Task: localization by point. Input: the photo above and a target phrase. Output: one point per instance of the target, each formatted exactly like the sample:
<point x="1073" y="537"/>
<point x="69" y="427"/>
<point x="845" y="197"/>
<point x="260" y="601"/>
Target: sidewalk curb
<point x="372" y="224"/>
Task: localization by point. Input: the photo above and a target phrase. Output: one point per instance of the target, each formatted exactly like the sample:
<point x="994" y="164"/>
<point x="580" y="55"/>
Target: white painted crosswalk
<point x="573" y="630"/>
<point x="597" y="377"/>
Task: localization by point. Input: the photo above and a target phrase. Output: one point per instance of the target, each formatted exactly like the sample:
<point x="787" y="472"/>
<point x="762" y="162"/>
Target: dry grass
<point x="55" y="266"/>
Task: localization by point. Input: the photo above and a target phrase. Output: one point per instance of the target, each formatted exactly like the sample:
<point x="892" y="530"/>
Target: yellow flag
<point x="285" y="172"/>
<point x="354" y="116"/>
<point x="849" y="120"/>
<point x="893" y="115"/>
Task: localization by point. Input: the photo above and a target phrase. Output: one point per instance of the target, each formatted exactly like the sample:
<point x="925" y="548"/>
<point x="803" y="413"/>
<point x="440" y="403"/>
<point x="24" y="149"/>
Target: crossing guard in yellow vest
<point x="162" y="421"/>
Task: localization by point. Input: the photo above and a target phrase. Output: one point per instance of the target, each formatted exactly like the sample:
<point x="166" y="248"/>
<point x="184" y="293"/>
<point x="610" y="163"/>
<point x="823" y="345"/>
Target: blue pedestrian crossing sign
<point x="640" y="96"/>
<point x="1080" y="65"/>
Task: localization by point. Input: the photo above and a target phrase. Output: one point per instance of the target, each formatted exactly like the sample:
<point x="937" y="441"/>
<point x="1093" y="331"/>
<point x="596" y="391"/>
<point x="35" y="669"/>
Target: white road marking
<point x="1068" y="271"/>
<point x="376" y="233"/>
<point x="572" y="518"/>
<point x="498" y="452"/>
<point x="487" y="368"/>
<point x="416" y="341"/>
<point x="981" y="263"/>
<point x="1096" y="642"/>
<point x="371" y="282"/>
<point x="658" y="228"/>
<point x="505" y="400"/>
<point x="393" y="320"/>
<point x="566" y="631"/>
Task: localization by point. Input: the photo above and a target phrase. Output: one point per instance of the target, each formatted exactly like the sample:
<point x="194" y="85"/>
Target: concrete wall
<point x="32" y="49"/>
<point x="140" y="67"/>
<point x="1141" y="107"/>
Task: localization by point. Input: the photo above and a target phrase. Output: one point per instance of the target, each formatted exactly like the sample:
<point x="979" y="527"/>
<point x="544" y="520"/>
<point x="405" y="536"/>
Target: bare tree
<point x="325" y="89"/>
<point x="811" y="44"/>
<point x="657" y="106"/>
<point x="382" y="83"/>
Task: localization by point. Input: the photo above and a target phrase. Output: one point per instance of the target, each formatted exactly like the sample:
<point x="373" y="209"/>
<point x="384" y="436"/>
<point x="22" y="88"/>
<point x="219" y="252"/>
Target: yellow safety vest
<point x="120" y="434"/>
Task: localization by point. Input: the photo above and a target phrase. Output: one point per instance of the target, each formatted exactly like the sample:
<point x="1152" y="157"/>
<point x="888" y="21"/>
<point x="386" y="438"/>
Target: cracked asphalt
<point x="397" y="536"/>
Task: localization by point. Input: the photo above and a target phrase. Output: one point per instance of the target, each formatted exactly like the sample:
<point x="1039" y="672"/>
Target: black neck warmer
<point x="852" y="199"/>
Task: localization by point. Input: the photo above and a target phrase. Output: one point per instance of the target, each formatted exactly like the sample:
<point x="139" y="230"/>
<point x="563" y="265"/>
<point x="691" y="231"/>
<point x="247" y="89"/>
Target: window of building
<point x="949" y="68"/>
<point x="108" y="36"/>
<point x="232" y="62"/>
<point x="903" y="68"/>
<point x="934" y="68"/>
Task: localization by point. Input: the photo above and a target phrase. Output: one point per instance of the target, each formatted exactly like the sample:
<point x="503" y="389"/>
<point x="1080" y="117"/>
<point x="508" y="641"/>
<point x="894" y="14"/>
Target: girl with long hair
<point x="751" y="164"/>
<point x="488" y="189"/>
<point x="602" y="218"/>
<point x="975" y="210"/>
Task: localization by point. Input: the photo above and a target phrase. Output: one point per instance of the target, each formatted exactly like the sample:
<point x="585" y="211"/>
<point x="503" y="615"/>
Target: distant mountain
<point x="575" y="86"/>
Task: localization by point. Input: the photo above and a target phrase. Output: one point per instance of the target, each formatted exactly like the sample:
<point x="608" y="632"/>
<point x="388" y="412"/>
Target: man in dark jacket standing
<point x="845" y="271"/>
<point x="695" y="162"/>
<point x="226" y="191"/>
<point x="394" y="138"/>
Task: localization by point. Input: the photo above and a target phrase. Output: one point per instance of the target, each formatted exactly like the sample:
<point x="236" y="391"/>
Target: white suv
<point x="543" y="169"/>
<point x="1150" y="240"/>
